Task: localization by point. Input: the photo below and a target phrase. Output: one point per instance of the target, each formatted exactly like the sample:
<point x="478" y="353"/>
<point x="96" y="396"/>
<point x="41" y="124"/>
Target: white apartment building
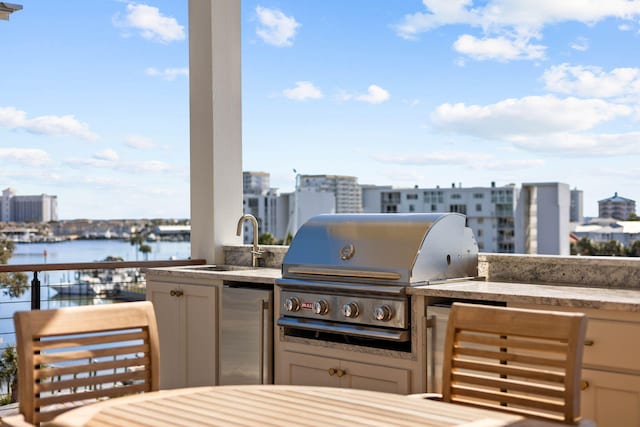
<point x="603" y="230"/>
<point x="283" y="214"/>
<point x="262" y="202"/>
<point x="346" y="190"/>
<point x="41" y="208"/>
<point x="256" y="182"/>
<point x="616" y="207"/>
<point x="491" y="213"/>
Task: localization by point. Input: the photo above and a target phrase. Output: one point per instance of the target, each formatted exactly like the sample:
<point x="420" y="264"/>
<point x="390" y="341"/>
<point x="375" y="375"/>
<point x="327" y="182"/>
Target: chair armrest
<point x="430" y="396"/>
<point x="14" y="421"/>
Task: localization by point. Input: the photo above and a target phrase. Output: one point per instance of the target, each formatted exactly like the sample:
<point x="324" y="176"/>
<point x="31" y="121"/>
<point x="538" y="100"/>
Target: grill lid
<point x="389" y="248"/>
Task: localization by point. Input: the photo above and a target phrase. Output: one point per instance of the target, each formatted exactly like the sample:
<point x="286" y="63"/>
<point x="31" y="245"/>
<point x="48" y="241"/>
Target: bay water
<point x="73" y="251"/>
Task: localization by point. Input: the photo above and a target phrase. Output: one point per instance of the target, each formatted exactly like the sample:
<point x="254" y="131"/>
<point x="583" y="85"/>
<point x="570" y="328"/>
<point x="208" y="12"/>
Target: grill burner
<point x="347" y="274"/>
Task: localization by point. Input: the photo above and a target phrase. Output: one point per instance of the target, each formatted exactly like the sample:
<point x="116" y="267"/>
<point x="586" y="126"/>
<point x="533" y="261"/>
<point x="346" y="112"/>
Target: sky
<point x="94" y="97"/>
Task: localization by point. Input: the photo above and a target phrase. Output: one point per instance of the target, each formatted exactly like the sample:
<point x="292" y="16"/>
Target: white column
<point x="216" y="126"/>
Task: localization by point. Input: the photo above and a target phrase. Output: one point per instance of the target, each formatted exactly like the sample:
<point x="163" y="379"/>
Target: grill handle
<point x="362" y="274"/>
<point x="346" y="329"/>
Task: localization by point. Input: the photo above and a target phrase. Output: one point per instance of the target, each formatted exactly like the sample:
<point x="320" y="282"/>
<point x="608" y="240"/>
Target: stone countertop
<point x="523" y="293"/>
<point x="245" y="274"/>
<point x="559" y="295"/>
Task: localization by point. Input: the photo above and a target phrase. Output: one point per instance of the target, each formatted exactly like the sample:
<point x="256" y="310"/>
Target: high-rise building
<point x="347" y="192"/>
<point x="576" y="213"/>
<point x="42" y="208"/>
<point x="491" y="213"/>
<point x="255" y="182"/>
<point x="616" y="207"/>
<point x="542" y="219"/>
<point x="262" y="202"/>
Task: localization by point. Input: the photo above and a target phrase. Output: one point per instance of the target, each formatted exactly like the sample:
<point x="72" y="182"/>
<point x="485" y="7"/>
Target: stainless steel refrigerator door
<point x="438" y="318"/>
<point x="246" y="335"/>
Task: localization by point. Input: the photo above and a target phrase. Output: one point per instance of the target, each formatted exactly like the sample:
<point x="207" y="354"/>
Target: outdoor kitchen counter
<point x="252" y="275"/>
<point x="560" y="295"/>
<point x="525" y="293"/>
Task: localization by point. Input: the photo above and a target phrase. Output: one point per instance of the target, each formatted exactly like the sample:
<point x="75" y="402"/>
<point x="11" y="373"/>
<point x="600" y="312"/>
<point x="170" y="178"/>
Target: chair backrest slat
<point x="74" y="355"/>
<point x="516" y="360"/>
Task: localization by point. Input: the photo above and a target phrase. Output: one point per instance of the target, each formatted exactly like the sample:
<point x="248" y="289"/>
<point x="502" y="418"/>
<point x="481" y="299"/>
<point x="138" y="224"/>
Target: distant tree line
<point x="270" y="239"/>
<point x="586" y="246"/>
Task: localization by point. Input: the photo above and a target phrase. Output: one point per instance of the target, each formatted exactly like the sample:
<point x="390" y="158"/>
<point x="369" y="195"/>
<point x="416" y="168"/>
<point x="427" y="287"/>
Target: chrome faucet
<point x="255" y="252"/>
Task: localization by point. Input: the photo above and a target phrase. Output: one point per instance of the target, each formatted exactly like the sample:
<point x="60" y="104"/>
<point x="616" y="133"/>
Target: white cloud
<point x="168" y="73"/>
<point x="498" y="48"/>
<point x="434" y="158"/>
<point x="511" y="119"/>
<point x="467" y="159"/>
<point x="139" y="142"/>
<point x="68" y="125"/>
<point x="580" y="43"/>
<point x="514" y="19"/>
<point x="12" y="118"/>
<point x="150" y="23"/>
<point x="411" y="102"/>
<point x="439" y="13"/>
<point x="276" y="28"/>
<point x="25" y="156"/>
<point x="510" y="164"/>
<point x="303" y="90"/>
<point x="107" y="155"/>
<point x="584" y="145"/>
<point x="109" y="159"/>
<point x="588" y="81"/>
<point x="151" y="166"/>
<point x="375" y="95"/>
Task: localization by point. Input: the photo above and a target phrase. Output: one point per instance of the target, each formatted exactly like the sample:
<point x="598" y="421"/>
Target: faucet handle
<point x="258" y="252"/>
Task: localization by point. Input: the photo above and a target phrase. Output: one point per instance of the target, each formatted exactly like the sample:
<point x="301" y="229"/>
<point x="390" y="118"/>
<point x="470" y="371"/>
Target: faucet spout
<point x="255" y="252"/>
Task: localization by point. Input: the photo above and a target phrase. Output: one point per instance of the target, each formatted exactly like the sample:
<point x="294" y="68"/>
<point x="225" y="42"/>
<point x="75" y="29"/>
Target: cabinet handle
<point x="584" y="384"/>
<point x="340" y="373"/>
<point x="588" y="343"/>
<point x="176" y="293"/>
<point x="332" y="371"/>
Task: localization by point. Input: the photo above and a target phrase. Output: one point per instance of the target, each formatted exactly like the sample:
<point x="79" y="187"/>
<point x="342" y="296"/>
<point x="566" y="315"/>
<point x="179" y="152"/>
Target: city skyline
<point x="94" y="103"/>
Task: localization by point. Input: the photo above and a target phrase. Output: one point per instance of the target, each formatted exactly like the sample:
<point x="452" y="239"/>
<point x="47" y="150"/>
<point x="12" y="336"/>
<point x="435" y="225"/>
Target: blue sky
<point x="94" y="97"/>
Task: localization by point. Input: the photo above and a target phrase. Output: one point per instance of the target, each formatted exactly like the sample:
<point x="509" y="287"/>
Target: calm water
<point x="73" y="251"/>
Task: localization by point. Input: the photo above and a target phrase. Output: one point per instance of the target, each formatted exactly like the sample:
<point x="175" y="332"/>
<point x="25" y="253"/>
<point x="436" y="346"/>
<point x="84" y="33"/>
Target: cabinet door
<point x="187" y="329"/>
<point x="304" y="369"/>
<point x="374" y="377"/>
<point x="611" y="399"/>
<point x="169" y="315"/>
<point x="201" y="330"/>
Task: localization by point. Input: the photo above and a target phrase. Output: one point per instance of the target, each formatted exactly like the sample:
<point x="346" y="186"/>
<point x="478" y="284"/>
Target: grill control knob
<point x="292" y="304"/>
<point x="384" y="313"/>
<point x="321" y="307"/>
<point x="350" y="310"/>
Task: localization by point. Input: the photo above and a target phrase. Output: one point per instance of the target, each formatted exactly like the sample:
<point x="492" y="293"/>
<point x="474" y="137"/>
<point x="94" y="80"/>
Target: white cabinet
<point x="611" y="399"/>
<point x="306" y="369"/>
<point x="610" y="367"/>
<point x="187" y="326"/>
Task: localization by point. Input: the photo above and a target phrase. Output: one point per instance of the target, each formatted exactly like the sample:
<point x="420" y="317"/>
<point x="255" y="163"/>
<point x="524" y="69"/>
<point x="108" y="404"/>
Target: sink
<point x="217" y="267"/>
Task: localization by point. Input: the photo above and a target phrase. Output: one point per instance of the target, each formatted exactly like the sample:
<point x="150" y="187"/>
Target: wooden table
<point x="281" y="406"/>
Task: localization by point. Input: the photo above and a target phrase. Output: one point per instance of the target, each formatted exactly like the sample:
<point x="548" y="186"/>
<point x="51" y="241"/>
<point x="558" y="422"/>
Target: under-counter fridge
<point x="246" y="334"/>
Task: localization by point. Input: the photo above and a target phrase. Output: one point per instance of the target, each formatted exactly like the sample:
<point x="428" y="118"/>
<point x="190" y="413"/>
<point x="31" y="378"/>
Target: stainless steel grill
<point x="347" y="274"/>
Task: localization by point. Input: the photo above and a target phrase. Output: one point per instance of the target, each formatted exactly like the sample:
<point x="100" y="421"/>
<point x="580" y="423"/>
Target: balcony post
<point x="35" y="292"/>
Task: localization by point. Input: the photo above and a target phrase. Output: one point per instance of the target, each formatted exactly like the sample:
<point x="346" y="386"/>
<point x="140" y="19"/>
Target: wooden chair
<point x="523" y="361"/>
<point x="75" y="355"/>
